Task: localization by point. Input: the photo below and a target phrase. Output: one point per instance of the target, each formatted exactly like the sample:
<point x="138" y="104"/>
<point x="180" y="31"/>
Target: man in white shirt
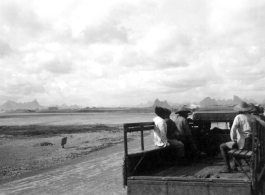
<point x="160" y="132"/>
<point x="240" y="134"/>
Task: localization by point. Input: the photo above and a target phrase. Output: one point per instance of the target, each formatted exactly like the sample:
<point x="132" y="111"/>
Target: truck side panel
<point x="147" y="187"/>
<point x="230" y="188"/>
<point x="137" y="187"/>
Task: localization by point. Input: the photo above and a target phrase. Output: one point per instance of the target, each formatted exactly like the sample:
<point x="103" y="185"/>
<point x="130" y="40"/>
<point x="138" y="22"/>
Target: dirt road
<point x="100" y="173"/>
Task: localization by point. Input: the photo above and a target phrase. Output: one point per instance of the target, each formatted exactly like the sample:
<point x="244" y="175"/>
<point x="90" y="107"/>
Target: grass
<point x="36" y="130"/>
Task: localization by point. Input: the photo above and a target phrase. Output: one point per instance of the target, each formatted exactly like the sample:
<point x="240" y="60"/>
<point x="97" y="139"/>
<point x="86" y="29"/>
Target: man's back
<point x="242" y="128"/>
<point x="182" y="124"/>
<point x="172" y="130"/>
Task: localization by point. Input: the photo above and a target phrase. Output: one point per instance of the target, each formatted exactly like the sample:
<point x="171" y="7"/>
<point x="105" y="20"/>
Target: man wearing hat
<point x="240" y="134"/>
<point x="256" y="113"/>
<point x="164" y="131"/>
<point x="185" y="135"/>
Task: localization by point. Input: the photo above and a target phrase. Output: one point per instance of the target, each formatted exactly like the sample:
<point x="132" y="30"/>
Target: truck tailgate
<point x="186" y="186"/>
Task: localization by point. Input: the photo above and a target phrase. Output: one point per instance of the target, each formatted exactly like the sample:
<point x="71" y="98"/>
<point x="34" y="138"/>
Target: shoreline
<point x="24" y="153"/>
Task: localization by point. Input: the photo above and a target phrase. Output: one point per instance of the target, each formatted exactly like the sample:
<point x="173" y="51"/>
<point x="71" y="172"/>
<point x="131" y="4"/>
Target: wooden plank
<point x="232" y="151"/>
<point x="125" y="125"/>
<point x="236" y="153"/>
<point x="249" y="154"/>
<point x="139" y="128"/>
<point x="149" y="151"/>
<point x="243" y="153"/>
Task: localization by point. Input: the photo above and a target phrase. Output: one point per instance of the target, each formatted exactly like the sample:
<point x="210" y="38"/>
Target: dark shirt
<point x="182" y="125"/>
<point x="172" y="130"/>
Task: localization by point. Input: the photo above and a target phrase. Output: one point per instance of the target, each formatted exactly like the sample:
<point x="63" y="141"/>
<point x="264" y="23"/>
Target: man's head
<point x="256" y="110"/>
<point x="183" y="111"/>
<point x="160" y="111"/>
<point x="167" y="113"/>
<point x="243" y="107"/>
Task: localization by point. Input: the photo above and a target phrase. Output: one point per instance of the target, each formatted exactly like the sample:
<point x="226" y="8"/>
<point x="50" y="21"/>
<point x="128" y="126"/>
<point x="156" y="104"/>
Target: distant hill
<point x="143" y="105"/>
<point x="160" y="104"/>
<point x="64" y="106"/>
<point x="12" y="105"/>
<point x="210" y="102"/>
<point x="34" y="105"/>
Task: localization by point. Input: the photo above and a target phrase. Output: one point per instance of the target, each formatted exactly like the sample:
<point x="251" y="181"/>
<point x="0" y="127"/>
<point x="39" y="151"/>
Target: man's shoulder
<point x="177" y="117"/>
<point x="169" y="121"/>
<point x="158" y="120"/>
<point x="245" y="117"/>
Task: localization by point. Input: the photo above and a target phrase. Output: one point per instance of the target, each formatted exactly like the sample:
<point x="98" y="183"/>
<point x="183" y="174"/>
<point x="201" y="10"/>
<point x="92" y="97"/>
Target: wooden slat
<point x="243" y="153"/>
<point x="249" y="154"/>
<point x="125" y="125"/>
<point x="232" y="151"/>
<point x="139" y="128"/>
<point x="236" y="153"/>
<point x="149" y="151"/>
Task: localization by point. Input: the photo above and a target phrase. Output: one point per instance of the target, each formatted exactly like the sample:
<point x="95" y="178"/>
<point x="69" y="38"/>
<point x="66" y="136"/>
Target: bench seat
<point x="244" y="154"/>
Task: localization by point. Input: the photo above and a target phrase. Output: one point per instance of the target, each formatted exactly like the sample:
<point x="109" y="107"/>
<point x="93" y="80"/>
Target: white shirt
<point x="160" y="132"/>
<point x="242" y="127"/>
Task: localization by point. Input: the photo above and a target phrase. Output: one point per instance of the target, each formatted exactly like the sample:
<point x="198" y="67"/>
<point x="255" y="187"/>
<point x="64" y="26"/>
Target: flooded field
<point x="10" y="119"/>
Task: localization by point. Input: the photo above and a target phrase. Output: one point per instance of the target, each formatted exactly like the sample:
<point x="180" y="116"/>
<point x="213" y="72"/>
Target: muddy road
<point x="99" y="173"/>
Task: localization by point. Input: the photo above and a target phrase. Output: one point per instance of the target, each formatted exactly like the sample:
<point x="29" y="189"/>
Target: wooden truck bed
<point x="200" y="178"/>
<point x="156" y="171"/>
<point x="202" y="169"/>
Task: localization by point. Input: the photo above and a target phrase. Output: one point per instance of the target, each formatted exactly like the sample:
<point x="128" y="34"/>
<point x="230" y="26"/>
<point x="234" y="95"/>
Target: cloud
<point x="21" y="85"/>
<point x="108" y="32"/>
<point x="135" y="51"/>
<point x="57" y="66"/>
<point x="5" y="49"/>
<point x="19" y="18"/>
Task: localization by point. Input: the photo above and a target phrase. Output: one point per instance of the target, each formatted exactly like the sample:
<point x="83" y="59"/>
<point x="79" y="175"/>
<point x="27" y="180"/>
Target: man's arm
<point x="260" y="121"/>
<point x="234" y="128"/>
<point x="186" y="127"/>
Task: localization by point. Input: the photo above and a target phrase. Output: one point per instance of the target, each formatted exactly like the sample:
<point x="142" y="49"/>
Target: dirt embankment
<point x="24" y="149"/>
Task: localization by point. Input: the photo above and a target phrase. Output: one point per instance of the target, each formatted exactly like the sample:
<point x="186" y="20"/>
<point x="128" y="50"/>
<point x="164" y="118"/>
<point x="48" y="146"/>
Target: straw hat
<point x="243" y="107"/>
<point x="256" y="109"/>
<point x="183" y="109"/>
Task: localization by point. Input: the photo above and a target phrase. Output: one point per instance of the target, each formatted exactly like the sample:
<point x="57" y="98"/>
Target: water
<point x="10" y="119"/>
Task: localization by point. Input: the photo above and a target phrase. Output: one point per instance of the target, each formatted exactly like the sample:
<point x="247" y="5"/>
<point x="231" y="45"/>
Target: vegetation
<point x="49" y="130"/>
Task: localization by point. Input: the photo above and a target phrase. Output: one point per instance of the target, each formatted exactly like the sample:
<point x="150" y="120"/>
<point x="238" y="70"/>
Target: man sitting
<point x="185" y="136"/>
<point x="164" y="130"/>
<point x="240" y="134"/>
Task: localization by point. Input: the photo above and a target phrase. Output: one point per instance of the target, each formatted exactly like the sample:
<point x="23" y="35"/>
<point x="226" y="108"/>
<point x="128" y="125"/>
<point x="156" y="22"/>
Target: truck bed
<point x="204" y="168"/>
<point x="200" y="178"/>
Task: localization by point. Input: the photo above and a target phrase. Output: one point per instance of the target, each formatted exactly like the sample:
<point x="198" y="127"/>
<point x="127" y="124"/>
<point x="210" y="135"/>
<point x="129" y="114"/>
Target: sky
<point x="127" y="52"/>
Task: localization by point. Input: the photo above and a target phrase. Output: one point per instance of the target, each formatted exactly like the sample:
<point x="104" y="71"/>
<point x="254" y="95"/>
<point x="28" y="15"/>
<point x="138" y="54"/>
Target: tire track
<point x="94" y="176"/>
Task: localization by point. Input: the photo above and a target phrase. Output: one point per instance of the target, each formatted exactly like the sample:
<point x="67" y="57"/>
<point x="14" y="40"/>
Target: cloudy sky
<point x="119" y="52"/>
